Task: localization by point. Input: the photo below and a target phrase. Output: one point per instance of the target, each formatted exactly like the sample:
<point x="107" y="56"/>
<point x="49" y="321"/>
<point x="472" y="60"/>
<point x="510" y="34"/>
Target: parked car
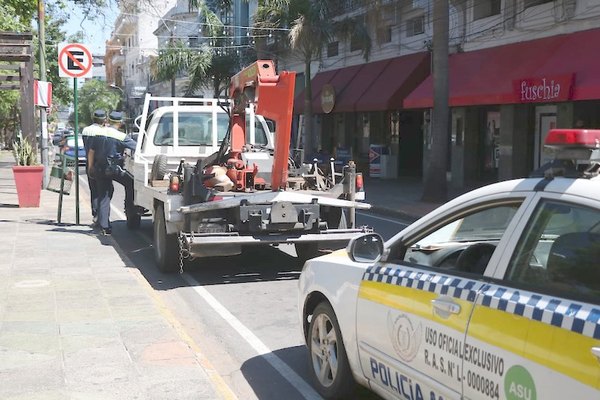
<point x="496" y="294"/>
<point x="67" y="147"/>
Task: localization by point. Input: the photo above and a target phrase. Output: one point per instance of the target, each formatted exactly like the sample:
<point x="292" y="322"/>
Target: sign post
<point x="75" y="61"/>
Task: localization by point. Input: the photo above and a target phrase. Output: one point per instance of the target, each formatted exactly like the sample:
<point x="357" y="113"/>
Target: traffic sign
<point x="74" y="61"/>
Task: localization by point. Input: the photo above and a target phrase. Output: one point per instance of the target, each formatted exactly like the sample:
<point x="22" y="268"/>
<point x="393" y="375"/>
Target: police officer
<point x="99" y="119"/>
<point x="106" y="150"/>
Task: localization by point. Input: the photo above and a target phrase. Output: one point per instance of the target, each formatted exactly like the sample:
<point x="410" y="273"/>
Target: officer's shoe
<point x="106" y="231"/>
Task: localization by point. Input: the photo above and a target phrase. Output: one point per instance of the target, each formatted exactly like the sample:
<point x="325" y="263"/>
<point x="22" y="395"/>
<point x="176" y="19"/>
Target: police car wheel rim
<point x="324" y="350"/>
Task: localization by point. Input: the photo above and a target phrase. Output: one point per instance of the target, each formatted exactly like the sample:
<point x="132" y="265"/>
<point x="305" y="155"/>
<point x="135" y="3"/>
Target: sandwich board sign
<point x="74" y="61"/>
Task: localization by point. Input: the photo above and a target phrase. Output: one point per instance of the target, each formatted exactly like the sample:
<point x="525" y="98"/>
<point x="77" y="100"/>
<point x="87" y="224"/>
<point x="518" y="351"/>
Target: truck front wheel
<point x="166" y="247"/>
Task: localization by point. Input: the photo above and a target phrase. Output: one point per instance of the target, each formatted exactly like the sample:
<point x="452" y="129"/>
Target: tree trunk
<point x="435" y="186"/>
<point x="308" y="145"/>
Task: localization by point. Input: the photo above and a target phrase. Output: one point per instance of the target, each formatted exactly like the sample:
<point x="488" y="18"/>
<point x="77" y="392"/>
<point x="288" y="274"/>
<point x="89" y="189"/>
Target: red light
<point x="174" y="184"/>
<point x="574" y="138"/>
<point x="359" y="182"/>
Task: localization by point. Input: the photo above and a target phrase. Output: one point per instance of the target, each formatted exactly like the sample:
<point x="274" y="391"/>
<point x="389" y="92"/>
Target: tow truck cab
<point x="194" y="130"/>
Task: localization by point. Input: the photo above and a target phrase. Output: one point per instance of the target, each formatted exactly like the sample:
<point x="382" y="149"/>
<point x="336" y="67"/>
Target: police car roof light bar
<point x="577" y="138"/>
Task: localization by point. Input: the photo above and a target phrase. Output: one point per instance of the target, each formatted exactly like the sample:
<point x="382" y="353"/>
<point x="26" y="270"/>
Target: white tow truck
<point x="216" y="178"/>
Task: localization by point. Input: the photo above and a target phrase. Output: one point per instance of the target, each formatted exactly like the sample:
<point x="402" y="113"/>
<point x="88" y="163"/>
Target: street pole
<point x="43" y="116"/>
<point x="172" y="78"/>
<point x="435" y="186"/>
<point x="76" y="129"/>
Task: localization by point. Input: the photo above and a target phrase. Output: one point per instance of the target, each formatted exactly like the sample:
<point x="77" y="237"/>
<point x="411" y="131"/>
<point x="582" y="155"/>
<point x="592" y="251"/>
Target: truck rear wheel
<point x="166" y="247"/>
<point x="133" y="219"/>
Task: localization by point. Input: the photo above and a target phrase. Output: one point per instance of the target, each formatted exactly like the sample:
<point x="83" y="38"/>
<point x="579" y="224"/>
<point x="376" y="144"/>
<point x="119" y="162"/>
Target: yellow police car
<point x="494" y="295"/>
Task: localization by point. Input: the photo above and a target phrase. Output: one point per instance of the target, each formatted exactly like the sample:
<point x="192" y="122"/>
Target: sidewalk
<point x="401" y="197"/>
<point x="76" y="321"/>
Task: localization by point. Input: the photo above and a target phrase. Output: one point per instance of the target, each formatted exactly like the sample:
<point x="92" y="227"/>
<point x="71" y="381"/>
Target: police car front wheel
<point x="329" y="366"/>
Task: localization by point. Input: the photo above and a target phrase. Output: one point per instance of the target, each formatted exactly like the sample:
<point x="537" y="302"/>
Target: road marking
<point x="382" y="219"/>
<point x="277" y="363"/>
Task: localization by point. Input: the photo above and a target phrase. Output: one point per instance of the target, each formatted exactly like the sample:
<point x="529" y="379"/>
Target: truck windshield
<point x="195" y="129"/>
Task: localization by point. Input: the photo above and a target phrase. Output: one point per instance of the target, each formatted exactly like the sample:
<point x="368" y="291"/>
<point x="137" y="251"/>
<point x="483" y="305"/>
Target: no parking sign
<point x="74" y="61"/>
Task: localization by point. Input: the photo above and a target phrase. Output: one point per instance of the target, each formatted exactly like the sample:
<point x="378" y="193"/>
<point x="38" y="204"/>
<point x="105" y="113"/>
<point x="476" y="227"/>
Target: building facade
<point x="131" y="48"/>
<point x="142" y="29"/>
<point x="517" y="68"/>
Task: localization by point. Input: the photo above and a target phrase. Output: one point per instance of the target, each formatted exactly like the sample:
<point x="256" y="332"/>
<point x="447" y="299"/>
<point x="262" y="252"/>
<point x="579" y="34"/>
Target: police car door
<point x="535" y="331"/>
<point x="413" y="308"/>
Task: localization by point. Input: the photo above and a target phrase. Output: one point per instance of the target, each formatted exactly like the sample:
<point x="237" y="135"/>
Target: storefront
<point x="505" y="99"/>
<point x="361" y="105"/>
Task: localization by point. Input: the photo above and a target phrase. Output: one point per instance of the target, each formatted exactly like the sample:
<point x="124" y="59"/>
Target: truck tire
<point x="159" y="167"/>
<point x="133" y="220"/>
<point x="166" y="247"/>
<point x="306" y="251"/>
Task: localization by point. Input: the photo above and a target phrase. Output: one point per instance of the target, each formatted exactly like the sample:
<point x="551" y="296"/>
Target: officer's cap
<point x="115" y="116"/>
<point x="100" y="114"/>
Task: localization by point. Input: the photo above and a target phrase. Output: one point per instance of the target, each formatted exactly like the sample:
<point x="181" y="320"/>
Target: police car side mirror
<point x="366" y="248"/>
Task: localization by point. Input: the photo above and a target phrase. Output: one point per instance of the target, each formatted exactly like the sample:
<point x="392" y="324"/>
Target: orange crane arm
<point x="273" y="95"/>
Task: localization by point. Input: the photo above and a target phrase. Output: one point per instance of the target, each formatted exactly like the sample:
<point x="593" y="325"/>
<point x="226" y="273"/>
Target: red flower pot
<point x="28" y="179"/>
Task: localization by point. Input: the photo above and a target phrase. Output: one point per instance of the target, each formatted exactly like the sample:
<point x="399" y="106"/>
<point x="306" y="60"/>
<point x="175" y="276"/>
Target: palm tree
<point x="311" y="28"/>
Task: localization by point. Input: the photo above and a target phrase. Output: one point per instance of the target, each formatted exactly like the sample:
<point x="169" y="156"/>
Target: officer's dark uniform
<point x="110" y="143"/>
<point x="99" y="117"/>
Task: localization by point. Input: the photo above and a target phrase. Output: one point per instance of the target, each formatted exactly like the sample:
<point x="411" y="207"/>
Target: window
<point x="260" y="137"/>
<point x="559" y="251"/>
<point x="355" y="43"/>
<point x="193" y="41"/>
<point x="415" y="26"/>
<point x="464" y="244"/>
<point x="384" y="34"/>
<point x="333" y="49"/>
<point x="485" y="8"/>
<point x="195" y="129"/>
<point x="531" y="3"/>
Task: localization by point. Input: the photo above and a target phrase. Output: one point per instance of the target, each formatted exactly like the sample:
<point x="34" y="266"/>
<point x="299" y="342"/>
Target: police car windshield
<point x="487" y="224"/>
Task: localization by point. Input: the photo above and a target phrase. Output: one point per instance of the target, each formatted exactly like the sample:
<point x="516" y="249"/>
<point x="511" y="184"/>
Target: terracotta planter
<point x="28" y="180"/>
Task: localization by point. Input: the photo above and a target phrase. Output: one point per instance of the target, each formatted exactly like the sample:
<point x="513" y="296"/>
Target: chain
<point x="181" y="256"/>
<point x="183" y="252"/>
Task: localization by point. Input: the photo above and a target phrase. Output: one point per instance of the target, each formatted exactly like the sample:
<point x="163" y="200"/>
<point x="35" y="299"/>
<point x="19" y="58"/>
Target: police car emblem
<point x="406" y="338"/>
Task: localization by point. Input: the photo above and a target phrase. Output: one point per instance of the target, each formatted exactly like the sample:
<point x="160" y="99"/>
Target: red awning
<point x="395" y="82"/>
<point x="317" y="83"/>
<point x="340" y="82"/>
<point x="364" y="78"/>
<point x="487" y="76"/>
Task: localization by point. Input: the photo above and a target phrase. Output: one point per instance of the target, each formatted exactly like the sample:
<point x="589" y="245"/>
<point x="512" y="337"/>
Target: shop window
<point x="485" y="8"/>
<point x="384" y="34"/>
<point x="531" y="3"/>
<point x="333" y="49"/>
<point x="415" y="26"/>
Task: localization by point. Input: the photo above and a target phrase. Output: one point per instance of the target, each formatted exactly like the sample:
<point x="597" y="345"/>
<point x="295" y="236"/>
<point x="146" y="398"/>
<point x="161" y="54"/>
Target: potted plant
<point x="28" y="175"/>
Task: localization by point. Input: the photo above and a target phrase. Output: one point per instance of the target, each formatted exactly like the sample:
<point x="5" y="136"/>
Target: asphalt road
<point x="240" y="311"/>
